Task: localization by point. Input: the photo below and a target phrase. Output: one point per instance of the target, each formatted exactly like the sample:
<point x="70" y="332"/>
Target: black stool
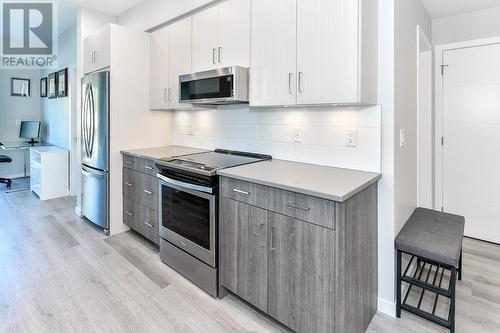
<point x="6" y="159"/>
<point x="432" y="239"/>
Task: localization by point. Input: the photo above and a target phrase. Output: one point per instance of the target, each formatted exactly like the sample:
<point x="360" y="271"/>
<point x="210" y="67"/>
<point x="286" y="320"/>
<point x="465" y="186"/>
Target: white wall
<point x="271" y="131"/>
<point x="12" y="111"/>
<point x="386" y="184"/>
<point x="409" y="14"/>
<point x="56" y="113"/>
<point x="398" y="97"/>
<point x="150" y="13"/>
<point x="469" y="26"/>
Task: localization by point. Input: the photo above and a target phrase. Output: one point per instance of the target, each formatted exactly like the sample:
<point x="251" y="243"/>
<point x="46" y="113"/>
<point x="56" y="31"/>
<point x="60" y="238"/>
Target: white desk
<point x="49" y="172"/>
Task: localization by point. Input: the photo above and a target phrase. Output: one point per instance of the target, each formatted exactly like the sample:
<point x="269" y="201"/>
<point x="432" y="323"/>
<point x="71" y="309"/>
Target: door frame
<point x="438" y="106"/>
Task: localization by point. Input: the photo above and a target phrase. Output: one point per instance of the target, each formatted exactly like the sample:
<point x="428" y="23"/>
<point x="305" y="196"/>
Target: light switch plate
<point x="402" y="137"/>
<point x="297" y="135"/>
<point x="351" y="137"/>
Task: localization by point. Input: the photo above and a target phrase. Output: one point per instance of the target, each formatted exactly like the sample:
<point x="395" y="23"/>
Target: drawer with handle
<point x="130" y="212"/>
<point x="149" y="221"/>
<point x="149" y="167"/>
<point x="303" y="207"/>
<point x="148" y="191"/>
<point x="131" y="183"/>
<point x="133" y="163"/>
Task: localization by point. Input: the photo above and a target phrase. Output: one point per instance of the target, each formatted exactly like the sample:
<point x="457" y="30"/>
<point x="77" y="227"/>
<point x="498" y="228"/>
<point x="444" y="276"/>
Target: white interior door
<point x="471" y="130"/>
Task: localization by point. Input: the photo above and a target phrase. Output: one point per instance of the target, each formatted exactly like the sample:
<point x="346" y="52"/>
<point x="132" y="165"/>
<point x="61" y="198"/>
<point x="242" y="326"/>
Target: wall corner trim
<point x="387" y="307"/>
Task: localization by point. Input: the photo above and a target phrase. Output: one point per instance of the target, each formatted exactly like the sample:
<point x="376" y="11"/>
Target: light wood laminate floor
<point x="59" y="274"/>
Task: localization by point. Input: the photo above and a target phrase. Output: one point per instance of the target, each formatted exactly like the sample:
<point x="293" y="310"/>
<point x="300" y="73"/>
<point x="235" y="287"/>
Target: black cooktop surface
<point x="210" y="162"/>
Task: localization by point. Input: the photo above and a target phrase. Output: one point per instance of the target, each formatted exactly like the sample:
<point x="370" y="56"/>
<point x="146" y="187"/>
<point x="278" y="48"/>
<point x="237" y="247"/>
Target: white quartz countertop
<point x="162" y="152"/>
<point x="330" y="183"/>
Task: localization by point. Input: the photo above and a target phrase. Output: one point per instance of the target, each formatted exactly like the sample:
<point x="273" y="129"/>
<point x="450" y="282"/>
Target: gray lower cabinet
<point x="301" y="270"/>
<point x="243" y="260"/>
<point x="140" y="199"/>
<point x="313" y="271"/>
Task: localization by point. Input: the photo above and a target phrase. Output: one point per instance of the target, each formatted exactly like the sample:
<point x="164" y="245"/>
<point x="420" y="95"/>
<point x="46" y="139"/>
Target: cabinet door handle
<point x="95" y="56"/>
<point x="165" y="94"/>
<point x="147" y="167"/>
<point x="214" y="56"/>
<point x="272" y="240"/>
<point x="148" y="192"/>
<point x="241" y="191"/>
<point x="261" y="233"/>
<point x="290" y="79"/>
<point x="148" y="224"/>
<point x="169" y="90"/>
<point x="129" y="213"/>
<point x="220" y="54"/>
<point x="300" y="81"/>
<point x="291" y="205"/>
<point x="130" y="162"/>
<point x="129" y="184"/>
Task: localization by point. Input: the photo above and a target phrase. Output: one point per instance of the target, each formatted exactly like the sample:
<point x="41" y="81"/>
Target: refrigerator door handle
<point x="85" y="121"/>
<point x="92" y="120"/>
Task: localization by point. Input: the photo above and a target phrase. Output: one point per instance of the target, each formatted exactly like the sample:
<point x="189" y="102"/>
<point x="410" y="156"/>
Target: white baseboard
<point x="78" y="211"/>
<point x="389" y="308"/>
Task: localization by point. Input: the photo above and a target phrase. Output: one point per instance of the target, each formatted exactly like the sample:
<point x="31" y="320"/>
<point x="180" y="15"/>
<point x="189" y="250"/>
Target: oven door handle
<point x="187" y="186"/>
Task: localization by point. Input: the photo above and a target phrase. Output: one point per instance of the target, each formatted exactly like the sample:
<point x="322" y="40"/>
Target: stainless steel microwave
<point x="227" y="85"/>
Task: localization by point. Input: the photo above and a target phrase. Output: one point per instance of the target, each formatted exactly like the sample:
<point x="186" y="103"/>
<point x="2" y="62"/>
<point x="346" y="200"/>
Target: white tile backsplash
<point x="270" y="131"/>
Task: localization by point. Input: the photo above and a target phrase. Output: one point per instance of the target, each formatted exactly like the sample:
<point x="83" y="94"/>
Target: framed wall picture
<point x="52" y="85"/>
<point x="43" y="87"/>
<point x="20" y="87"/>
<point x="62" y="83"/>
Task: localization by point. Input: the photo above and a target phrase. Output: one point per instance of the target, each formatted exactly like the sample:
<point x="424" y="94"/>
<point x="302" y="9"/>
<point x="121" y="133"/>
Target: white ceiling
<point x="68" y="9"/>
<point x="442" y="8"/>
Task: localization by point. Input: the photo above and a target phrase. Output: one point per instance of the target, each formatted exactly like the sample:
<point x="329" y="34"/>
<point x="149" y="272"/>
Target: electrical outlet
<point x="351" y="137"/>
<point x="402" y="137"/>
<point x="297" y="135"/>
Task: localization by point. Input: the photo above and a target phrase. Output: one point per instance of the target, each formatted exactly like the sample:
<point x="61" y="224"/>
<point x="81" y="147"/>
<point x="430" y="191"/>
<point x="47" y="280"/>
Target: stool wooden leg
<point x="398" y="285"/>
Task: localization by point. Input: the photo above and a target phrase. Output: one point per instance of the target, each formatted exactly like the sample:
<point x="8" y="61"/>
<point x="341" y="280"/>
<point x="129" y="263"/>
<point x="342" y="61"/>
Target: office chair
<point x="5" y="159"/>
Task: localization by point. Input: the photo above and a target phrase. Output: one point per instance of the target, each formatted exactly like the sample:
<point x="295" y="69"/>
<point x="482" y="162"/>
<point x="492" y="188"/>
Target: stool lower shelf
<point x="429" y="277"/>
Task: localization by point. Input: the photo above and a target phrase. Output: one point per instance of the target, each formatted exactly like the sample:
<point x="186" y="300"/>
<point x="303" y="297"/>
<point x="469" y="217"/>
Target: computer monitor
<point x="30" y="130"/>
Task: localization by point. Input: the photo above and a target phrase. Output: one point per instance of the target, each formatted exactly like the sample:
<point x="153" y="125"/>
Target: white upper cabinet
<point x="221" y="36"/>
<point x="234" y="33"/>
<point x="326" y="49"/>
<point x="96" y="50"/>
<point x="273" y="67"/>
<point x="179" y="59"/>
<point x="170" y="57"/>
<point x="159" y="79"/>
<point x="205" y="41"/>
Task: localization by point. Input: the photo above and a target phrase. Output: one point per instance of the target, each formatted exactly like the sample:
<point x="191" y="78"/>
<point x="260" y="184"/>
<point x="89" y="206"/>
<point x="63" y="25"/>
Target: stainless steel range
<point x="188" y="202"/>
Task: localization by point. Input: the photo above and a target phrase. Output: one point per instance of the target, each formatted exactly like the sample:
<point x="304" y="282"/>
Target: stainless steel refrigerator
<point x="95" y="149"/>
